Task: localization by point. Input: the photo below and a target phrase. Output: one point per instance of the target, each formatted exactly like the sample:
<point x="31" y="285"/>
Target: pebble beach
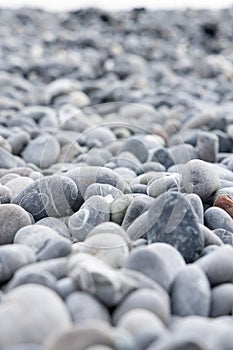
<point x="116" y="179"/>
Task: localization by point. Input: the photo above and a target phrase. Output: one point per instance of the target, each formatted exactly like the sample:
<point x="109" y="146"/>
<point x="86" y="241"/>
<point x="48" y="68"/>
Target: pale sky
<point x="116" y="4"/>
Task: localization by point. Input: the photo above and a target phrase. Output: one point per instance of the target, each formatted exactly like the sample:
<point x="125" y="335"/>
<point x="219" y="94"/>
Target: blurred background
<point x="116" y="4"/>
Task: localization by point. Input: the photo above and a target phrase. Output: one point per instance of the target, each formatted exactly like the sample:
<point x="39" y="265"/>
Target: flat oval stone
<point x="119" y="207"/>
<point x="92" y="213"/>
<point x="171" y="220"/>
<point x="225" y="236"/>
<point x="196" y="204"/>
<point x="184" y="301"/>
<point x="147" y="299"/>
<point x="49" y="196"/>
<point x="218" y="265"/>
<point x="9" y="161"/>
<point x="200" y="178"/>
<point x="164" y="184"/>
<point x="42" y="311"/>
<point x="12" y="218"/>
<point x="42" y="151"/>
<point x="216" y="218"/>
<point x="83" y="306"/>
<point x="44" y="241"/>
<point x="12" y="258"/>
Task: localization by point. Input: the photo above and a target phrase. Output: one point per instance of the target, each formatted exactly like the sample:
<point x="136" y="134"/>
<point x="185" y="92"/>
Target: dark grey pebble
<point x="162" y="156"/>
<point x="169" y="219"/>
<point x="49" y="196"/>
<point x="137" y="206"/>
<point x="136" y="147"/>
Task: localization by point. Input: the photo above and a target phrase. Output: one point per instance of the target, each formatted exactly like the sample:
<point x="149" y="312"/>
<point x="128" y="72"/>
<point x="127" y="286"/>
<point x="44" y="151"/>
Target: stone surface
<point x="49" y="196"/>
<point x="172" y="220"/>
<point x="12" y="218"/>
<point x="198" y="177"/>
<point x="183" y="299"/>
<point x="44" y="241"/>
<point x="43" y="151"/>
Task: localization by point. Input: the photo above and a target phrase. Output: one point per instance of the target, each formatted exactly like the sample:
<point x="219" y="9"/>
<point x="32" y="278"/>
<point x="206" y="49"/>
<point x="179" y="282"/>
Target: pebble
<point x="150" y="264"/>
<point x="57" y="225"/>
<point x="18" y="184"/>
<point x="102" y="190"/>
<point x="184" y="301"/>
<point x="9" y="161"/>
<point x="162" y="156"/>
<point x="208" y="146"/>
<point x="49" y="196"/>
<point x="137" y="206"/>
<point x="94" y="211"/>
<point x="198" y="177"/>
<point x="146" y="299"/>
<point x="164" y="184"/>
<point x="118" y="208"/>
<point x="169" y="217"/>
<point x="225" y="236"/>
<point x="197" y="206"/>
<point x="12" y="258"/>
<point x="217" y="265"/>
<point x="42" y="151"/>
<point x="12" y="218"/>
<point x="44" y="241"/>
<point x="218" y="218"/>
<point x="222" y="301"/>
<point x="82" y="307"/>
<point x="226" y="203"/>
<point x="42" y="311"/>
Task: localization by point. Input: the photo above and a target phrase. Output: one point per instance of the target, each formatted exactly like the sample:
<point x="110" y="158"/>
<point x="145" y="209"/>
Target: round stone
<point x="216" y="218"/>
<point x="208" y="146"/>
<point x="5" y="194"/>
<point x="17" y="185"/>
<point x="42" y="151"/>
<point x="49" y="196"/>
<point x="222" y="300"/>
<point x="12" y="218"/>
<point x="199" y="177"/>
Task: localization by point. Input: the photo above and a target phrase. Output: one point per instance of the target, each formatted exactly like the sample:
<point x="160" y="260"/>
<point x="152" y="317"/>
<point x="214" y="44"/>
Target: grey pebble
<point x="12" y="258"/>
<point x="208" y="146"/>
<point x="169" y="217"/>
<point x="94" y="211"/>
<point x="18" y="184"/>
<point x="199" y="177"/>
<point x="218" y="265"/>
<point x="82" y="307"/>
<point x="44" y="241"/>
<point x="222" y="300"/>
<point x="190" y="292"/>
<point x="216" y="218"/>
<point x="42" y="151"/>
<point x="102" y="190"/>
<point x="12" y="218"/>
<point x="49" y="196"/>
<point x="5" y="194"/>
<point x="57" y="225"/>
<point x="137" y="206"/>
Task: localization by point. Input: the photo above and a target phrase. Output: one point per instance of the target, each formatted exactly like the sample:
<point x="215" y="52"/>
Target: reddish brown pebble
<point x="226" y="203"/>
